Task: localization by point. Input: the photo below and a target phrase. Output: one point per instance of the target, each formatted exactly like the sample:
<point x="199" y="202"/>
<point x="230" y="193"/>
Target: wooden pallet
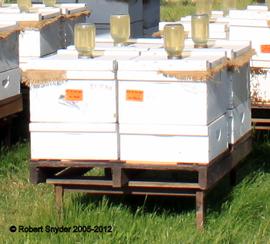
<point x="261" y="117"/>
<point x="8" y="109"/>
<point x="183" y="180"/>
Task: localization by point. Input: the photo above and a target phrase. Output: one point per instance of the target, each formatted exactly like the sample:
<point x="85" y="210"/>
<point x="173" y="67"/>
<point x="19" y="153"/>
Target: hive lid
<point x="249" y="14"/>
<point x="261" y="60"/>
<point x="257" y="7"/>
<point x="71" y="8"/>
<point x="36" y="14"/>
<point x="8" y="26"/>
<point x="187" y="63"/>
<point x="71" y="62"/>
<point x="243" y="22"/>
<point x="233" y="49"/>
<point x="107" y="52"/>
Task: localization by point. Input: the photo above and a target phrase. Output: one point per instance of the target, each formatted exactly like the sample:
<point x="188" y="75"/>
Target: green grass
<point x="239" y="216"/>
<point x="171" y="12"/>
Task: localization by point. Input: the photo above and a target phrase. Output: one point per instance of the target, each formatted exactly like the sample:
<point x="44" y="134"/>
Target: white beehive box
<point x="78" y="141"/>
<point x="138" y="45"/>
<point x="40" y="27"/>
<point x="238" y="78"/>
<point x="10" y="74"/>
<point x="173" y="143"/>
<point x="257" y="7"/>
<point x="10" y="83"/>
<point x="260" y="80"/>
<point x="244" y="22"/>
<point x="167" y="100"/>
<point x="239" y="121"/>
<point x="91" y="79"/>
<point x="9" y="46"/>
<point x="76" y="116"/>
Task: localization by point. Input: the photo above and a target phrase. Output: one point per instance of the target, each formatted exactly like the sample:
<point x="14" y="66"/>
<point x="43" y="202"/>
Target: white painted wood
<point x="94" y="78"/>
<point x="201" y="148"/>
<point x="37" y="14"/>
<point x="260" y="84"/>
<point x="239" y="121"/>
<point x="167" y="100"/>
<point x="249" y="14"/>
<point x="71" y="8"/>
<point x="8" y="25"/>
<point x="260" y="35"/>
<point x="239" y="80"/>
<point x="97" y="105"/>
<point x="70" y="62"/>
<point x="9" y="48"/>
<point x="73" y="141"/>
<point x="182" y="103"/>
<point x="10" y="83"/>
<point x="47" y="41"/>
<point x="214" y="14"/>
<point x="257" y="7"/>
<point x="216" y="30"/>
<point x="158" y="63"/>
<point x="110" y="51"/>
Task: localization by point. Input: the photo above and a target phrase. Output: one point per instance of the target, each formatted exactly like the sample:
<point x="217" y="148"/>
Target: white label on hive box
<point x="135" y="95"/>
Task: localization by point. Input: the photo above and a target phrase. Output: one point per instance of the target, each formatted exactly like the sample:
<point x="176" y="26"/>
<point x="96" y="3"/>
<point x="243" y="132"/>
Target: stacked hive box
<point x="49" y="28"/>
<point x="253" y="25"/>
<point x="238" y="76"/>
<point x="75" y="118"/>
<point x="39" y="35"/>
<point x="151" y="108"/>
<point x="166" y="111"/>
<point x="10" y="74"/>
<point x="239" y="54"/>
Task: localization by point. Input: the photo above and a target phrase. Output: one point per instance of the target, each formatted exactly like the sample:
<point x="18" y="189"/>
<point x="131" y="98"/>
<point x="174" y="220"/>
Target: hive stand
<point x="124" y="178"/>
<point x="261" y="117"/>
<point x="8" y="108"/>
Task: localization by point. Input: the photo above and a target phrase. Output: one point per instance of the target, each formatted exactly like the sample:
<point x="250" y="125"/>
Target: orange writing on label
<point x="265" y="48"/>
<point x="74" y="95"/>
<point x="134" y="95"/>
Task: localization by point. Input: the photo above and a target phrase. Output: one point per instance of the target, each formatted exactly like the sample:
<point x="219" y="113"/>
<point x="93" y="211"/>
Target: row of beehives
<point x="25" y="36"/>
<point x="132" y="103"/>
<point x="250" y="24"/>
<point x="44" y="30"/>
